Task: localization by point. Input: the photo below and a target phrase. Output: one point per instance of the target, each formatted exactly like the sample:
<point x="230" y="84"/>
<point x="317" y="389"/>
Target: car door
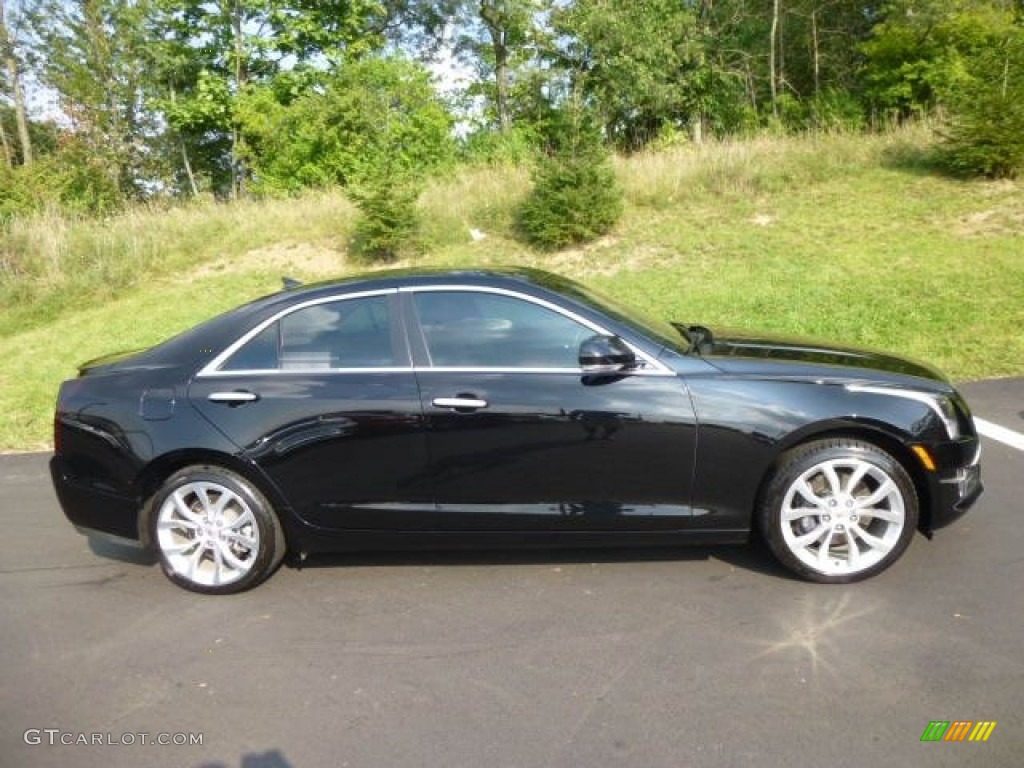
<point x="323" y="398"/>
<point x="520" y="439"/>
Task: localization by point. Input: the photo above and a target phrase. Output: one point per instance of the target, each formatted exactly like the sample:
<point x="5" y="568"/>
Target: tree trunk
<point x="772" y="74"/>
<point x="697" y="131"/>
<point x="780" y="44"/>
<point x="1006" y="71"/>
<point x="188" y="170"/>
<point x="5" y="145"/>
<point x="817" y="53"/>
<point x="748" y="79"/>
<point x="18" y="95"/>
<point x="103" y="127"/>
<point x="241" y="76"/>
<point x="495" y="24"/>
<point x="184" y="153"/>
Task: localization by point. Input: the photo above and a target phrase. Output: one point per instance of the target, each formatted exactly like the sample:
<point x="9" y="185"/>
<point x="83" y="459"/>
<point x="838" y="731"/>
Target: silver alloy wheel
<point x="207" y="534"/>
<point x="842" y="516"/>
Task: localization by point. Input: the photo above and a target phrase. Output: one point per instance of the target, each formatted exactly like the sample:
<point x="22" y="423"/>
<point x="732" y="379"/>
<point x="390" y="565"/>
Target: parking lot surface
<point x="694" y="657"/>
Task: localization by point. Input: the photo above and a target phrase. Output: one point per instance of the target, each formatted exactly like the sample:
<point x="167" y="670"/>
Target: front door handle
<point x="459" y="403"/>
<point x="237" y="397"/>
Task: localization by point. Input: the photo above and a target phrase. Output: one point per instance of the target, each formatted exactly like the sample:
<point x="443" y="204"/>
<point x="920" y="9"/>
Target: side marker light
<point x="921" y="452"/>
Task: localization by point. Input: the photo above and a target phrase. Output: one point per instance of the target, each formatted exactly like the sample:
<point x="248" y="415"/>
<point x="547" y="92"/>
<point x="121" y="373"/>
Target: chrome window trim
<point x="211" y="368"/>
<point x="418" y="369"/>
<point x="654" y="367"/>
<point x="301" y="371"/>
<point x="575" y="371"/>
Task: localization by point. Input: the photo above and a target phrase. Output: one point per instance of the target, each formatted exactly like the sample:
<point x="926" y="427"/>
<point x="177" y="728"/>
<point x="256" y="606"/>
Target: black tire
<point x="837" y="511"/>
<point x="214" y="532"/>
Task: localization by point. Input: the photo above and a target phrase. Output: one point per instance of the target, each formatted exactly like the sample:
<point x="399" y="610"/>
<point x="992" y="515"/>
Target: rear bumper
<point x="91" y="507"/>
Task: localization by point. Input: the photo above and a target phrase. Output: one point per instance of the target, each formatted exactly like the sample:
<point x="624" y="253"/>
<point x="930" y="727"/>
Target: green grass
<point x="848" y="238"/>
<point x="52" y="264"/>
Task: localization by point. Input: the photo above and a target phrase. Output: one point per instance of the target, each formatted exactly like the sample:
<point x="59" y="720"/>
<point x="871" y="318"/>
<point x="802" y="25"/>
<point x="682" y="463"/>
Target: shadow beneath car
<point x="752" y="557"/>
<point x="273" y="758"/>
<point x="122" y="553"/>
<point x="755" y="557"/>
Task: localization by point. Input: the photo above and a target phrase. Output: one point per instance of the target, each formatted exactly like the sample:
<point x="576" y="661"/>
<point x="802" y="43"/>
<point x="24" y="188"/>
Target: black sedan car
<point x="501" y="408"/>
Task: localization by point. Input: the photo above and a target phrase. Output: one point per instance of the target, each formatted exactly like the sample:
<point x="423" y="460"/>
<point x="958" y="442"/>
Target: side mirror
<point x="605" y="354"/>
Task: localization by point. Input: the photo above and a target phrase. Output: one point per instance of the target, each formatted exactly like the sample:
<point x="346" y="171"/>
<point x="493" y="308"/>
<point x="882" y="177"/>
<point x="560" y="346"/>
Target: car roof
<point x="192" y="346"/>
<point x="422" y="276"/>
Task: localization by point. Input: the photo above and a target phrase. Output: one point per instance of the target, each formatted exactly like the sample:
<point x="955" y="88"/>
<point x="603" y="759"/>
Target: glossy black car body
<point x="488" y="408"/>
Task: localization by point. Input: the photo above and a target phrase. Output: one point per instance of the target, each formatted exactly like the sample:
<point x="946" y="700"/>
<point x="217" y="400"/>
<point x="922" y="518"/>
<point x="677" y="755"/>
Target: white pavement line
<point x="1002" y="434"/>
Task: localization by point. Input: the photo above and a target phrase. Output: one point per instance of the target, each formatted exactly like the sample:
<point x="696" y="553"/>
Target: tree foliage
<point x="376" y="127"/>
<point x="920" y="51"/>
<point x="229" y="98"/>
<point x="986" y="132"/>
<point x="575" y="197"/>
<point x="640" y="64"/>
<point x="373" y="114"/>
<point x="97" y="61"/>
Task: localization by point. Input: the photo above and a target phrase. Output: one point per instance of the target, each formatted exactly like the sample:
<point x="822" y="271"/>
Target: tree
<point x="502" y="41"/>
<point x="9" y="58"/>
<point x="509" y="24"/>
<point x="575" y="197"/>
<point x="209" y="53"/>
<point x="96" y="61"/>
<point x="919" y="51"/>
<point x="986" y="127"/>
<point x="372" y="113"/>
<point x="640" y="65"/>
<point x="376" y="127"/>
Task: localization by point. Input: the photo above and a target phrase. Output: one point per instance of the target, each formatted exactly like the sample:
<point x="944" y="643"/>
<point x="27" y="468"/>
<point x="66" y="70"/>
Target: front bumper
<point x="956" y="483"/>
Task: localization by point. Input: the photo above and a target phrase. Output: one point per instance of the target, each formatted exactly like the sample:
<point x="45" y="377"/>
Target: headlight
<point x="941" y="404"/>
<point x="949" y="417"/>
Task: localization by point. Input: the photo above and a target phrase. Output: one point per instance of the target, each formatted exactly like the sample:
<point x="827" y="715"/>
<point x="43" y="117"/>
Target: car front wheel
<point x="214" y="532"/>
<point x="838" y="511"/>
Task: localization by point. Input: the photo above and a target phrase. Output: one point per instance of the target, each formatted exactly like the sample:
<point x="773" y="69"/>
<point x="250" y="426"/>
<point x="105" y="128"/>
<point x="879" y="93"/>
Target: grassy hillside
<point x="841" y="237"/>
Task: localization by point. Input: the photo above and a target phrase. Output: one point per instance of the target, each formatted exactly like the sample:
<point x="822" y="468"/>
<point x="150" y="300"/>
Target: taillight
<point x="56" y="433"/>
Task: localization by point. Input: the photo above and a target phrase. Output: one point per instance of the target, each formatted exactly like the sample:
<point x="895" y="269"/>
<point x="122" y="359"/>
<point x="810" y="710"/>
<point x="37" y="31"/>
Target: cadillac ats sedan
<point x="502" y="408"/>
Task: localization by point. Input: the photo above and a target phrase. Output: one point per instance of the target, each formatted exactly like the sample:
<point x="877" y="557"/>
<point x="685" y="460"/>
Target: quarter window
<point x="352" y="333"/>
<point x="487" y="330"/>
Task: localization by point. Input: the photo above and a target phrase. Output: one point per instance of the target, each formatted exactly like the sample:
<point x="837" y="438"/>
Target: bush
<point x="575" y="196"/>
<point x="69" y="180"/>
<point x="490" y="147"/>
<point x="389" y="225"/>
<point x="371" y="113"/>
<point x="986" y="130"/>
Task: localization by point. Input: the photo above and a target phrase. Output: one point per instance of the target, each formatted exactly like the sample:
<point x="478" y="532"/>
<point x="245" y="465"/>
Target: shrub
<point x="69" y="180"/>
<point x="389" y="225"/>
<point x="371" y="113"/>
<point x="496" y="148"/>
<point x="575" y="196"/>
<point x="986" y="129"/>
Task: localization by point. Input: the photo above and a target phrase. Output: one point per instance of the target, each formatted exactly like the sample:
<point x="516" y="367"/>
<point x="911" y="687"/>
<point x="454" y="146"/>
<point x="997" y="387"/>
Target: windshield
<point x="652" y="327"/>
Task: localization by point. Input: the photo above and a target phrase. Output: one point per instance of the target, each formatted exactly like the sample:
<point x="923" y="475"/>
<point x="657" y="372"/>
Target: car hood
<point x="743" y="352"/>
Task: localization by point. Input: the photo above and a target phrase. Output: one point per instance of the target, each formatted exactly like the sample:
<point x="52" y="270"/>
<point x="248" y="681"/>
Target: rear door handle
<point x="459" y="403"/>
<point x="233" y="398"/>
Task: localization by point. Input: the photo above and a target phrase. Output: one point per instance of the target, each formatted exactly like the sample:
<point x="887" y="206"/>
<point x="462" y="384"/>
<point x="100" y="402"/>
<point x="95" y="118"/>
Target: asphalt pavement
<point x="695" y="657"/>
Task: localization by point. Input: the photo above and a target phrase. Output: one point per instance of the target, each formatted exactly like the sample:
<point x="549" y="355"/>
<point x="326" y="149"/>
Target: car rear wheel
<point x="838" y="511"/>
<point x="214" y="532"/>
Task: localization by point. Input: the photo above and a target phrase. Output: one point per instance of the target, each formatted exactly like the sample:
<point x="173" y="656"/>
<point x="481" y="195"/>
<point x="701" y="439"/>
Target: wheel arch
<point x="157" y="471"/>
<point x="878" y="435"/>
